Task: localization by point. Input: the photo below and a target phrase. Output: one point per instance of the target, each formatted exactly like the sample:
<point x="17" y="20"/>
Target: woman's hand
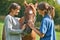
<point x="21" y="21"/>
<point x="23" y="26"/>
<point x="33" y="28"/>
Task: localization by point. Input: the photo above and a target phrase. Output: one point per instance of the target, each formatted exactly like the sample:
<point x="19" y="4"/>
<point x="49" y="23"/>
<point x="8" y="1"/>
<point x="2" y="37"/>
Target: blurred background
<point x="4" y="4"/>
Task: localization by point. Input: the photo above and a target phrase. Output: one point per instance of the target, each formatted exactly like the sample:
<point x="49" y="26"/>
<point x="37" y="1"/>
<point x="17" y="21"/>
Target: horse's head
<point x="29" y="16"/>
<point x="30" y="6"/>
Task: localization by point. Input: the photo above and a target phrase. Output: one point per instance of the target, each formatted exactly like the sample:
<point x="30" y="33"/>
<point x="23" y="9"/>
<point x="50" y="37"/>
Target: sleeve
<point x="17" y="18"/>
<point x="43" y="27"/>
<point x="9" y="28"/>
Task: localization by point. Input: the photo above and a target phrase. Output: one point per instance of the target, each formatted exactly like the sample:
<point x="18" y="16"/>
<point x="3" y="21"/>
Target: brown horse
<point x="30" y="14"/>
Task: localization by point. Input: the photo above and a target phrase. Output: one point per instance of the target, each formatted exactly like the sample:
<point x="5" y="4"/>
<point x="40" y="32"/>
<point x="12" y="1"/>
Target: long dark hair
<point x="14" y="6"/>
<point x="45" y="6"/>
<point x="52" y="11"/>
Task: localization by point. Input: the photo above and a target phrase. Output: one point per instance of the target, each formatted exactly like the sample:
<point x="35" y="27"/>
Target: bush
<point x="2" y="18"/>
<point x="57" y="27"/>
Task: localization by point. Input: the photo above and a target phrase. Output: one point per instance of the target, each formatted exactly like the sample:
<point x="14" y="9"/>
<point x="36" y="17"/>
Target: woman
<point x="12" y="25"/>
<point x="47" y="31"/>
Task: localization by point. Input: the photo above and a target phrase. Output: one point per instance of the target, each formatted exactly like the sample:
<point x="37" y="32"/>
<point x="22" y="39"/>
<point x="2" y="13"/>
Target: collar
<point x="48" y="16"/>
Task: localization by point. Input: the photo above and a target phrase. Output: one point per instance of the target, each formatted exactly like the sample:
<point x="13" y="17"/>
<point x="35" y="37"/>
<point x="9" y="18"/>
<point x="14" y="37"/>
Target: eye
<point x="30" y="11"/>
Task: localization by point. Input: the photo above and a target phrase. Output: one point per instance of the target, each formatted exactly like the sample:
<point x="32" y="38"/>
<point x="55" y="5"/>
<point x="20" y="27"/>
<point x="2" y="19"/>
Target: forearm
<point x="15" y="31"/>
<point x="22" y="26"/>
<point x="38" y="32"/>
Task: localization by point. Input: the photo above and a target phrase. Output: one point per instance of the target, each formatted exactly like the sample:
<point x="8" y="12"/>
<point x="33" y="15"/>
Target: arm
<point x="22" y="25"/>
<point x="9" y="27"/>
<point x="43" y="28"/>
<point x="38" y="32"/>
<point x="21" y="21"/>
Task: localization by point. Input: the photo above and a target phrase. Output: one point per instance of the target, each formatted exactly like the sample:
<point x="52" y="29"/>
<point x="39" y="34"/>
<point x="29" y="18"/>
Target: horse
<point x="29" y="16"/>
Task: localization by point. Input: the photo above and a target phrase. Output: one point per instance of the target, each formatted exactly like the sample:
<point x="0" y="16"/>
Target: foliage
<point x="4" y="5"/>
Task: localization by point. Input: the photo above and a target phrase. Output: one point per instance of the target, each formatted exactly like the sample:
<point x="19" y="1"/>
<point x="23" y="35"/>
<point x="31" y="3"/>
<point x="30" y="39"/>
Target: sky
<point x="58" y="1"/>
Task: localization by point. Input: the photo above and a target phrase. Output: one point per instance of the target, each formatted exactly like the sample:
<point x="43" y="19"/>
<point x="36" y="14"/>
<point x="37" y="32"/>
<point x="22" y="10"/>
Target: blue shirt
<point x="47" y="28"/>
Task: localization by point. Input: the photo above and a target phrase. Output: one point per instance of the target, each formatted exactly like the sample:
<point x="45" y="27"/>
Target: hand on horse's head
<point x="21" y="20"/>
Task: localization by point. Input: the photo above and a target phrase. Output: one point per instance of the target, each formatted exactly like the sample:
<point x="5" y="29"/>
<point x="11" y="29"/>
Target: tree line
<point x="4" y="5"/>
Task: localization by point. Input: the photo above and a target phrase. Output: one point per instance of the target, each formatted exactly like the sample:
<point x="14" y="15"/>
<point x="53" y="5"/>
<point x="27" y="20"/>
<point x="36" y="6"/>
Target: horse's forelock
<point x="28" y="8"/>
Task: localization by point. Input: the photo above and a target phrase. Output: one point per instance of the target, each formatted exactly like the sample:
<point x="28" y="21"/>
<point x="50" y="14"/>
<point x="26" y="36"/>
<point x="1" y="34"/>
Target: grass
<point x="37" y="38"/>
<point x="57" y="36"/>
<point x="1" y="27"/>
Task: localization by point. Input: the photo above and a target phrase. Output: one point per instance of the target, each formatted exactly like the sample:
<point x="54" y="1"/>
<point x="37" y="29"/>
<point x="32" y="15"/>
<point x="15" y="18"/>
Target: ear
<point x="36" y="4"/>
<point x="12" y="10"/>
<point x="26" y="4"/>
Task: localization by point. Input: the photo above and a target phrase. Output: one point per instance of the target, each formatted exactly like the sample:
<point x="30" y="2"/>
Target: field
<point x="37" y="37"/>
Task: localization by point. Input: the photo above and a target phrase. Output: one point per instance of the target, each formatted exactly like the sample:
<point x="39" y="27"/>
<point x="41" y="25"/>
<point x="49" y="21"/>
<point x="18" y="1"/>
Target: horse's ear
<point x="36" y="4"/>
<point x="25" y="4"/>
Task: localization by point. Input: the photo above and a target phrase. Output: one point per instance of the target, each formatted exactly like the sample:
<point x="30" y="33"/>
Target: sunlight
<point x="58" y="1"/>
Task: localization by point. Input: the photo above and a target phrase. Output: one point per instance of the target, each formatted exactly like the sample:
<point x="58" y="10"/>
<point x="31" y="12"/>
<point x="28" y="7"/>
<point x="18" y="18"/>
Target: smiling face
<point x="15" y="11"/>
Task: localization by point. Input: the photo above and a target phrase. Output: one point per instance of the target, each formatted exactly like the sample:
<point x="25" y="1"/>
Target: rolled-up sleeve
<point x="9" y="27"/>
<point x="43" y="27"/>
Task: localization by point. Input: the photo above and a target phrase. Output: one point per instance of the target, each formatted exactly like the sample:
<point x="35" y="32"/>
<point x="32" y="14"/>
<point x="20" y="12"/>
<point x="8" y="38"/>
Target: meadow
<point x="37" y="37"/>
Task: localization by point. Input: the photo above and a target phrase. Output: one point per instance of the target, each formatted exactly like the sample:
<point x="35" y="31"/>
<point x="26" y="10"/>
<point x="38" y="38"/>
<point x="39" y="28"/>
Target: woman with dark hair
<point x="47" y="31"/>
<point x="11" y="24"/>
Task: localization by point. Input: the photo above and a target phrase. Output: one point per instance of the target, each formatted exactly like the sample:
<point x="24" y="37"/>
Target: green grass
<point x="1" y="27"/>
<point x="57" y="36"/>
<point x="37" y="37"/>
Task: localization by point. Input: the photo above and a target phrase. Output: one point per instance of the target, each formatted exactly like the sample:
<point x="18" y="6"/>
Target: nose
<point x="18" y="11"/>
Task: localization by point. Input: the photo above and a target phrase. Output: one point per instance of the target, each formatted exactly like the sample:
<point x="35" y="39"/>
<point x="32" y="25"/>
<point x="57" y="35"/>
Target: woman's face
<point x="16" y="11"/>
<point x="41" y="12"/>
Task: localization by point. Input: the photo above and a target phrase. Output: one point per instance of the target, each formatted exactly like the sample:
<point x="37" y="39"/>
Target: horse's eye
<point x="30" y="11"/>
